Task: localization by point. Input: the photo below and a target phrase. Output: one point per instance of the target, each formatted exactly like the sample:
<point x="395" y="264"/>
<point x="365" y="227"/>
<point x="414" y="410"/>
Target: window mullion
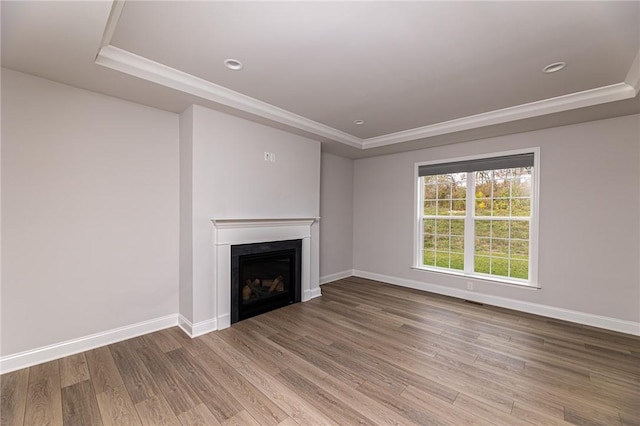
<point x="469" y="225"/>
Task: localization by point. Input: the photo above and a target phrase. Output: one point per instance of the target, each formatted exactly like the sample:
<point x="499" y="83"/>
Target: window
<point x="477" y="217"/>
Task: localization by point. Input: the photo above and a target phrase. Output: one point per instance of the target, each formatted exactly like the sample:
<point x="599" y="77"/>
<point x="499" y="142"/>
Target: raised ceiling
<point x="418" y="73"/>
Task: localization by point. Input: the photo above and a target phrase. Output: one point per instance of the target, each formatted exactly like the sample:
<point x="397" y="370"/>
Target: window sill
<point x="499" y="281"/>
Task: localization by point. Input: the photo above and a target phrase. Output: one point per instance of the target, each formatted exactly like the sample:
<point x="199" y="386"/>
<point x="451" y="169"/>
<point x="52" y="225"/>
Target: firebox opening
<point x="265" y="276"/>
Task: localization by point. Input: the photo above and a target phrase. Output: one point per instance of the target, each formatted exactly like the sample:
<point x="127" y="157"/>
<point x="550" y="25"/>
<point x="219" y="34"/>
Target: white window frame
<point x="469" y="233"/>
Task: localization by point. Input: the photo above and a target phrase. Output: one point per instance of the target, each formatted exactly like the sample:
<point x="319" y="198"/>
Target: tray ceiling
<point x="413" y="71"/>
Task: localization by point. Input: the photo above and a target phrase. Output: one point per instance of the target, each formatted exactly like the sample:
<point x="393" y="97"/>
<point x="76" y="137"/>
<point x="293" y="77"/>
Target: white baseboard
<point x="70" y="347"/>
<point x="197" y="329"/>
<point x="614" y="324"/>
<point x="311" y="294"/>
<point x="224" y="321"/>
<point x="185" y="325"/>
<point x="337" y="276"/>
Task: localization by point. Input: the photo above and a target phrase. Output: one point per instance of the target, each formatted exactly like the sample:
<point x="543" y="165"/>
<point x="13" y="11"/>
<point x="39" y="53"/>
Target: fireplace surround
<point x="230" y="232"/>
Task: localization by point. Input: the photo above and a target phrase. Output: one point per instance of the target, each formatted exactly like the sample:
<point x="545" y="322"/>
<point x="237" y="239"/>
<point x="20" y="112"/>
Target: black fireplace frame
<point x="238" y="312"/>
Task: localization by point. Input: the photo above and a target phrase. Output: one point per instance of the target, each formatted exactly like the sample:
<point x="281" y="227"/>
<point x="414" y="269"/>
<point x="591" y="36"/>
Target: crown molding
<point x="600" y="95"/>
<point x="141" y="67"/>
<point x="633" y="76"/>
<point x="146" y="69"/>
<point x="112" y="22"/>
<point x="138" y="66"/>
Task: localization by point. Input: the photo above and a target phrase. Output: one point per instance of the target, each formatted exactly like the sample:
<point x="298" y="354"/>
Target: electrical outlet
<point x="469" y="285"/>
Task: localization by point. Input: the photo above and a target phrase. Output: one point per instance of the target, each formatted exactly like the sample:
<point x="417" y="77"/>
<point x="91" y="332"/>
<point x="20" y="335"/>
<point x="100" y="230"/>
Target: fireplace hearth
<point x="264" y="277"/>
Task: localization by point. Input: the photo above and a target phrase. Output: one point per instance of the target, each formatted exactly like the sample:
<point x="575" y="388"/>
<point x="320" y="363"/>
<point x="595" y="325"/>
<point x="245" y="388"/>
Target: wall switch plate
<point x="267" y="156"/>
<point x="469" y="285"/>
<point x="273" y="157"/>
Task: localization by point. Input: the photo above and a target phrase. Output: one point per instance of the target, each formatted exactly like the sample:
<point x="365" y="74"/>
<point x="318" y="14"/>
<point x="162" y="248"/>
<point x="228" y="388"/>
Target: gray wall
<point x="231" y="180"/>
<point x="186" y="214"/>
<point x="90" y="199"/>
<point x="336" y="212"/>
<point x="89" y="213"/>
<point x="589" y="216"/>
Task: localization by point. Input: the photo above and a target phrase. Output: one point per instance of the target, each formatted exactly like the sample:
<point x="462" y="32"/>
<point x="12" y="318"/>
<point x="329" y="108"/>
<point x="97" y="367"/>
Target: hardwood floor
<point x="363" y="353"/>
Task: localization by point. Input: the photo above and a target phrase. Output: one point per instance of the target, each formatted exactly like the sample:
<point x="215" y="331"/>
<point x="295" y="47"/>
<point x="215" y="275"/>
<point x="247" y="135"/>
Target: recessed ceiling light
<point x="358" y="122"/>
<point x="233" y="64"/>
<point x="556" y="66"/>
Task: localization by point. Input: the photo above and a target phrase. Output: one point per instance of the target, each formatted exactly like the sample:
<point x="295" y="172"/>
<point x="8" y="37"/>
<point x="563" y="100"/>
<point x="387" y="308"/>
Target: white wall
<point x="231" y="180"/>
<point x="90" y="200"/>
<point x="589" y="217"/>
<point x="186" y="214"/>
<point x="89" y="213"/>
<point x="336" y="212"/>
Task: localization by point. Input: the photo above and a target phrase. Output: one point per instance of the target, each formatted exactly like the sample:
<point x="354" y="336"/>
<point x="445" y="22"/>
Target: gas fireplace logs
<point x="260" y="288"/>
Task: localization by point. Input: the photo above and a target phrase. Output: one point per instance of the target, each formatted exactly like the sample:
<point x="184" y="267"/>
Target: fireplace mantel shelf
<point x="259" y="222"/>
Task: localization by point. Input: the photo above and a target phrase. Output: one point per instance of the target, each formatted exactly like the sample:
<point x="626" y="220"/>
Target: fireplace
<point x="264" y="276"/>
<point x="212" y="297"/>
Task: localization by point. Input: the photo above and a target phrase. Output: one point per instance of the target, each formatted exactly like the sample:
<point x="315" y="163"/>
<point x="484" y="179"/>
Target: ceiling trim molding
<point x="144" y="68"/>
<point x="141" y="67"/>
<point x="600" y="95"/>
<point x="633" y="76"/>
<point x="112" y="22"/>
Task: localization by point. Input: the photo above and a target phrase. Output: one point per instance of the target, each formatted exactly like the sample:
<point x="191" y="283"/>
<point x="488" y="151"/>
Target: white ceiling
<point x="419" y="73"/>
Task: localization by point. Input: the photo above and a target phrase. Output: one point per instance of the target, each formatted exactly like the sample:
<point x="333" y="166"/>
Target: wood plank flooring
<point x="364" y="353"/>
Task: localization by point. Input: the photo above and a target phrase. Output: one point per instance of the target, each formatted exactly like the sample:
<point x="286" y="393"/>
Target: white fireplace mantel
<point x="229" y="232"/>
